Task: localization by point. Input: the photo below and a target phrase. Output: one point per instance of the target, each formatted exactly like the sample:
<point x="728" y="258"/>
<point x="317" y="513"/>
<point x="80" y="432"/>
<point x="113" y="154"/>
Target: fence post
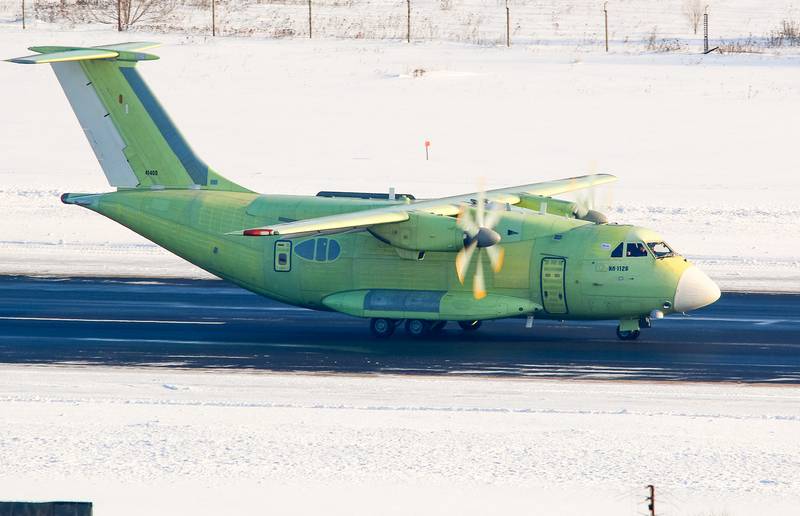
<point x="309" y="19"/>
<point x="23" y="14"/>
<point x="408" y="20"/>
<point x="605" y="14"/>
<point x="213" y="17"/>
<point x="119" y="15"/>
<point x="508" y="26"/>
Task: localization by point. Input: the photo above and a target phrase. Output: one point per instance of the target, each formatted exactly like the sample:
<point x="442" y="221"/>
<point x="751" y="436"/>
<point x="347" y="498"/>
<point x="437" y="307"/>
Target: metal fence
<point x="665" y="24"/>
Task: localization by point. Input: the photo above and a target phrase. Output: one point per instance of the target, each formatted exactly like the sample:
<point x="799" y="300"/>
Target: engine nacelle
<point x="561" y="208"/>
<point x="422" y="232"/>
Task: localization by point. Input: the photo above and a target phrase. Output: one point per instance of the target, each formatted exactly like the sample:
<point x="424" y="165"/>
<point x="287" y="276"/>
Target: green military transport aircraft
<point x="386" y="257"/>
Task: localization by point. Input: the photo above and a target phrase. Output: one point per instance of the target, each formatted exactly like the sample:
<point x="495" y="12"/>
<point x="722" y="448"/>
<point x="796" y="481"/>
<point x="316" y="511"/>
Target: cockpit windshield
<point x="635" y="250"/>
<point x="660" y="249"/>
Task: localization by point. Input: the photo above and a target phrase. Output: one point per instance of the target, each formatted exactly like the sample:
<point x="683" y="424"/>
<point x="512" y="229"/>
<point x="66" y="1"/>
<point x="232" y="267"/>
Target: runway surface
<point x="210" y="324"/>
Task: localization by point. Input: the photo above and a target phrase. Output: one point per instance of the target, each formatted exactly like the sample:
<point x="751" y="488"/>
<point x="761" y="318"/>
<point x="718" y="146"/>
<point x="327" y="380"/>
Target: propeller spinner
<point x="479" y="234"/>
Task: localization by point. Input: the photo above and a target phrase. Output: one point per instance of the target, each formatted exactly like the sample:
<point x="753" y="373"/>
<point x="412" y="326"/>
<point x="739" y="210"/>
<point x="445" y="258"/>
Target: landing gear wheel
<point x="417" y="327"/>
<point x="628" y="335"/>
<point x="381" y="328"/>
<point x="470" y="325"/>
<point x="438" y="326"/>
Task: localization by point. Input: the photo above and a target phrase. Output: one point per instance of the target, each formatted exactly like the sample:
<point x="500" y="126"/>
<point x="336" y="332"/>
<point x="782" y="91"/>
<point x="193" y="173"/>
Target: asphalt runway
<point x="211" y="324"/>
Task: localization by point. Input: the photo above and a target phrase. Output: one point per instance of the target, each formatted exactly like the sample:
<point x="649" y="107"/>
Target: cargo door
<point x="553" y="294"/>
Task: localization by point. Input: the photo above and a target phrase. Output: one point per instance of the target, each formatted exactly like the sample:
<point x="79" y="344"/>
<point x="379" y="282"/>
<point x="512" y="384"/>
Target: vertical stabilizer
<point x="136" y="142"/>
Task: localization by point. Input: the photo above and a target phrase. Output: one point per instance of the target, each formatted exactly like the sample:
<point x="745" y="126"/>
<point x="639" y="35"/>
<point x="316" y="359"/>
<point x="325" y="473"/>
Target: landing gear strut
<point x="382" y="328"/>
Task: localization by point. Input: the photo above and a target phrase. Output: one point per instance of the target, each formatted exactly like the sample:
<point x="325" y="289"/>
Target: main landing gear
<point x="383" y="328"/>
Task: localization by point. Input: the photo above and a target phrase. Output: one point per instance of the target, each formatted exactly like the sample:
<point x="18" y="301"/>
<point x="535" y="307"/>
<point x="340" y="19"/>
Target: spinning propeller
<point x="479" y="234"/>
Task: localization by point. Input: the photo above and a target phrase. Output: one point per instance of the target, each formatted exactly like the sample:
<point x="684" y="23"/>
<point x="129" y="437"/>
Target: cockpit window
<point x="635" y="250"/>
<point x="660" y="249"/>
<point x="617" y="252"/>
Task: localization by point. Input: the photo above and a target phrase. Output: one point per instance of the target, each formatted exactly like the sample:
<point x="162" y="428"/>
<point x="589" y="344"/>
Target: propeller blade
<point x="478" y="285"/>
<point x="497" y="256"/>
<point x="494" y="216"/>
<point x="466" y="222"/>
<point x="462" y="260"/>
<point x="479" y="212"/>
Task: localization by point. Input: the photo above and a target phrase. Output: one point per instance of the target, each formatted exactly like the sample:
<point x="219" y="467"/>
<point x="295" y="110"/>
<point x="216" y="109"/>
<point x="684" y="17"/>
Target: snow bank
<point x="703" y="145"/>
<point x="170" y="442"/>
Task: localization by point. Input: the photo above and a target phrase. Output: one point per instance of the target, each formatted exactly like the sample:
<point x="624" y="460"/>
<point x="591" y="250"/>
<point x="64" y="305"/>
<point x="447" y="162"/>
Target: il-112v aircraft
<point x="510" y="252"/>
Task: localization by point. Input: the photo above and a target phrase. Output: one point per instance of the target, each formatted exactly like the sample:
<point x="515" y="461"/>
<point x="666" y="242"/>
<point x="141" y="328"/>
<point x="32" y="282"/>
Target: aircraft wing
<point x="444" y="206"/>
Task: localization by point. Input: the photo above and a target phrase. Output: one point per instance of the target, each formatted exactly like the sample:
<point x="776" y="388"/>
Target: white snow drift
<point x="168" y="442"/>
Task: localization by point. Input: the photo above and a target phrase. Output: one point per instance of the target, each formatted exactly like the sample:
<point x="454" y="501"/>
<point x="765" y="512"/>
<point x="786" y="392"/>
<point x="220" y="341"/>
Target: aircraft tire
<point x="381" y="328"/>
<point x="470" y="325"/>
<point x="417" y="327"/>
<point x="628" y="335"/>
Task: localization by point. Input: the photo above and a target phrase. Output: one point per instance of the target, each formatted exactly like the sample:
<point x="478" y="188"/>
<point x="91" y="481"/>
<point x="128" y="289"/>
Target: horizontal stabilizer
<point x="59" y="54"/>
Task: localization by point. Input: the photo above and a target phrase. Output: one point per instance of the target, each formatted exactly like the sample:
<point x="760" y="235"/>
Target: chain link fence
<point x="655" y="24"/>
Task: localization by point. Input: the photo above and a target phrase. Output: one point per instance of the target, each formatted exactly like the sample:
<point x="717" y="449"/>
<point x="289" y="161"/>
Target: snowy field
<point x="165" y="442"/>
<point x="705" y="146"/>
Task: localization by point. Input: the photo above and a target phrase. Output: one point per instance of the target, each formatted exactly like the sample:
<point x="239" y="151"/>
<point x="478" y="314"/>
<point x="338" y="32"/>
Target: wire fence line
<point x="659" y="24"/>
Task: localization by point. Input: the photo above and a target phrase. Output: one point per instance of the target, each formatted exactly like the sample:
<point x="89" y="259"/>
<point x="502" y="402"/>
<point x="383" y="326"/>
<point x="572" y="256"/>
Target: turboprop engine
<point x="577" y="210"/>
<point x="422" y="232"/>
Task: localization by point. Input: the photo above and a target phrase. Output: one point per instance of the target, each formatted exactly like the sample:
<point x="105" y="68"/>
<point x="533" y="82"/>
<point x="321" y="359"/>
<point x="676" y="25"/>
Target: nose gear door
<point x="553" y="288"/>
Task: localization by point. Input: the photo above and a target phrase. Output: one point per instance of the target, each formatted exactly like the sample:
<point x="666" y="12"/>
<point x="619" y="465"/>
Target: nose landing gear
<point x="627" y="334"/>
<point x="629" y="329"/>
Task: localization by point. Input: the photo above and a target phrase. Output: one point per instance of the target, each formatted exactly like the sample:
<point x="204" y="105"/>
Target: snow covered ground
<point x="165" y="442"/>
<point x="705" y="146"/>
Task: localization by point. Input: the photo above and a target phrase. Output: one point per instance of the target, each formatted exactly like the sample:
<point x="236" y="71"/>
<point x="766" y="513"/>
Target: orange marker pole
<point x="427" y="145"/>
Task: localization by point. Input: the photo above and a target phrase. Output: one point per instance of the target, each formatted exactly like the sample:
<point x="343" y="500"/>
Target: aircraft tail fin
<point x="135" y="141"/>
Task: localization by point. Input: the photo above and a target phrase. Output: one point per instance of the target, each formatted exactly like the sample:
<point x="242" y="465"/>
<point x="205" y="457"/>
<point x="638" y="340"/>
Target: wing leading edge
<point x="444" y="206"/>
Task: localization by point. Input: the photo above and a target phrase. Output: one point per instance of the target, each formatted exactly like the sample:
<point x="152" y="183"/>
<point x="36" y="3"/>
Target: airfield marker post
<point x="408" y="22"/>
<point x="651" y="506"/>
<point x="605" y="15"/>
<point x="508" y="25"/>
<point x="309" y="19"/>
<point x="427" y="146"/>
<point x="213" y="17"/>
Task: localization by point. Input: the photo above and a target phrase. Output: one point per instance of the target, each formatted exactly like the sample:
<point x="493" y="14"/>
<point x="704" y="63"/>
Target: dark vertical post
<point x="213" y="17"/>
<point x="652" y="499"/>
<point x="705" y="31"/>
<point x="408" y="20"/>
<point x="508" y="26"/>
<point x="23" y="14"/>
<point x="309" y="19"/>
<point x="119" y="15"/>
<point x="605" y="13"/>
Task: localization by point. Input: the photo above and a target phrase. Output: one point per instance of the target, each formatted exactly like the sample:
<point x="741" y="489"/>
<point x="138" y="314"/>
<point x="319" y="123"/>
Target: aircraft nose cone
<point x="695" y="290"/>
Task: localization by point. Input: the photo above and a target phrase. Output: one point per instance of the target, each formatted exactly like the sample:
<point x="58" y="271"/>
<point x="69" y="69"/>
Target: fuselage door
<point x="554" y="296"/>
